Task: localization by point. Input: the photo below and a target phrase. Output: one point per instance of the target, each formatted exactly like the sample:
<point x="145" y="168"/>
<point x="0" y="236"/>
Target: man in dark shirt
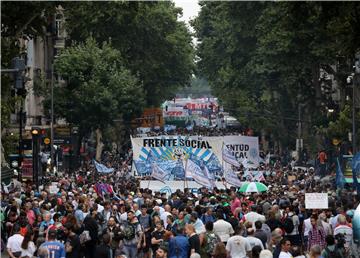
<point x="194" y="240"/>
<point x="157" y="236"/>
<point x="104" y="250"/>
<point x="260" y="234"/>
<point x="72" y="242"/>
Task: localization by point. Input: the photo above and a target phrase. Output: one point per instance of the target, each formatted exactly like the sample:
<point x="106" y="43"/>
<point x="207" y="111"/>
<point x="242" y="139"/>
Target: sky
<point x="190" y="10"/>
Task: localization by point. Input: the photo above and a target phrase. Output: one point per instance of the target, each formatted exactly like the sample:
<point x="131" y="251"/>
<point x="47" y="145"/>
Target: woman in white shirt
<point x="28" y="247"/>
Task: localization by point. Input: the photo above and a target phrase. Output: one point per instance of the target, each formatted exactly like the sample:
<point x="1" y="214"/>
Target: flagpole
<point x="152" y="170"/>
<point x="185" y="182"/>
<point x="222" y="158"/>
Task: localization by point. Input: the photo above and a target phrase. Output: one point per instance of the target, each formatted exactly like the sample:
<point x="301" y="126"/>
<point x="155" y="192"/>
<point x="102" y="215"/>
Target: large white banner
<point x="172" y="152"/>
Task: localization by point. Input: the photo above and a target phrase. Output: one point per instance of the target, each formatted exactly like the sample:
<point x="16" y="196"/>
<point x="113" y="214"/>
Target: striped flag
<point x="232" y="178"/>
<point x="199" y="175"/>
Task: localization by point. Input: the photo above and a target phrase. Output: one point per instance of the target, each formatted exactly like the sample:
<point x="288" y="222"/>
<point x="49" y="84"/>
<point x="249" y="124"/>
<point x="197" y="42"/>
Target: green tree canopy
<point x="154" y="44"/>
<point x="268" y="55"/>
<point x="99" y="88"/>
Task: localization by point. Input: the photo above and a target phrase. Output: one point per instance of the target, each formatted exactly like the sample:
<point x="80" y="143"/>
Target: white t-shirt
<point x="307" y="227"/>
<point x="223" y="229"/>
<point x="29" y="251"/>
<point x="100" y="208"/>
<point x="163" y="217"/>
<point x="238" y="246"/>
<point x="14" y="243"/>
<point x="327" y="228"/>
<point x="255" y="241"/>
<point x="333" y="221"/>
<point x="123" y="217"/>
<point x="285" y="255"/>
<point x="253" y="217"/>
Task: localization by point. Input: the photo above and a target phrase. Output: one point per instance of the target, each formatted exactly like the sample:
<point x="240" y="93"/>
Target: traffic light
<point x="19" y="64"/>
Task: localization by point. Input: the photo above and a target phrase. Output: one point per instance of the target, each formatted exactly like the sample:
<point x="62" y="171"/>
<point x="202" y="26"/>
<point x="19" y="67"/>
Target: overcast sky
<point x="190" y="10"/>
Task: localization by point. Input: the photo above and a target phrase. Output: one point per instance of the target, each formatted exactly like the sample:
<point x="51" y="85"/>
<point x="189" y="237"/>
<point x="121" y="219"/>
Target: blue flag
<point x="340" y="179"/>
<point x="356" y="171"/>
<point x="101" y="168"/>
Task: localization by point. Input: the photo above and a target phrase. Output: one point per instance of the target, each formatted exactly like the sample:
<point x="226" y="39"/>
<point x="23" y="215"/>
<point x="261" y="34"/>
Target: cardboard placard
<point x="316" y="201"/>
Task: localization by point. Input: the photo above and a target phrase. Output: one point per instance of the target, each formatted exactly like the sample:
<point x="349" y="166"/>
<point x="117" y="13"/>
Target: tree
<point x="154" y="44"/>
<point x="269" y="56"/>
<point x="99" y="89"/>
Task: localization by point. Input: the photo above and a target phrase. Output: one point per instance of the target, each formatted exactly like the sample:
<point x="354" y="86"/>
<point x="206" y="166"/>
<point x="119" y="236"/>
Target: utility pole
<point x="353" y="116"/>
<point x="20" y="141"/>
<point x="356" y="88"/>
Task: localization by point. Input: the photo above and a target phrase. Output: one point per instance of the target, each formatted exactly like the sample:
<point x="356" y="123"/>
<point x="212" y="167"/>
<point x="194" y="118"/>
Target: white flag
<point x="228" y="157"/>
<point x="195" y="172"/>
<point x="158" y="173"/>
<point x="267" y="159"/>
<point x="232" y="178"/>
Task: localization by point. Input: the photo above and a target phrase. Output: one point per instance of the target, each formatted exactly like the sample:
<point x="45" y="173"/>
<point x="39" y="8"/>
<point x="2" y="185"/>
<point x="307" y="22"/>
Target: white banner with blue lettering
<point x="244" y="148"/>
<point x="172" y="152"/>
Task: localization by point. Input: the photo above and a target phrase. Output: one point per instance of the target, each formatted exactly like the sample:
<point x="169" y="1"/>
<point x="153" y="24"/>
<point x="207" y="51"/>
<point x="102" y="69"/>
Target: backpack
<point x="211" y="241"/>
<point x="333" y="254"/>
<point x="289" y="225"/>
<point x="129" y="231"/>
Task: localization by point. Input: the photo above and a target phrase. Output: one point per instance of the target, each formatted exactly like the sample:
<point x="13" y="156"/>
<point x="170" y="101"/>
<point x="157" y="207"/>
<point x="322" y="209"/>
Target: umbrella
<point x="253" y="187"/>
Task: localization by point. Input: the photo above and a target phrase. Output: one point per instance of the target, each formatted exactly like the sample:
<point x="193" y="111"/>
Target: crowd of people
<point x="79" y="219"/>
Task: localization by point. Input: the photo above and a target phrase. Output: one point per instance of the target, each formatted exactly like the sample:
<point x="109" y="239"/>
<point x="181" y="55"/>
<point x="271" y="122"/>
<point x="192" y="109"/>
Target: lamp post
<point x="52" y="120"/>
<point x="35" y="155"/>
<point x="353" y="119"/>
<point x="351" y="81"/>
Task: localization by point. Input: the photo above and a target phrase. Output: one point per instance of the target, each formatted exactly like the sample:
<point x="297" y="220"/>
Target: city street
<point x="180" y="129"/>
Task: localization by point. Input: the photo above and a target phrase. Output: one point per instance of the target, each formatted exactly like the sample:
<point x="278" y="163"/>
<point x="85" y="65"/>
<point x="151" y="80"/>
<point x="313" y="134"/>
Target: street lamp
<point x="52" y="120"/>
<point x="350" y="80"/>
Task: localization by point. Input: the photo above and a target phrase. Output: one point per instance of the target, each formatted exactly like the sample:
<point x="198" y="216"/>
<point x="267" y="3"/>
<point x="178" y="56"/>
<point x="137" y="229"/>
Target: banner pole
<point x="222" y="159"/>
<point x="185" y="182"/>
<point x="149" y="183"/>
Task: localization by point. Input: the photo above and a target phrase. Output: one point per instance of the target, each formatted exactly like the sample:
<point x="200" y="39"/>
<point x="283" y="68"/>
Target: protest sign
<point x="291" y="178"/>
<point x="316" y="201"/>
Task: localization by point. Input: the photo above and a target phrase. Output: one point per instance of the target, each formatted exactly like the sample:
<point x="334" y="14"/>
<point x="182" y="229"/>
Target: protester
<point x="28" y="247"/>
<point x="238" y="246"/>
<point x="285" y="248"/>
<point x="223" y="228"/>
<point x="14" y="243"/>
<point x="55" y="248"/>
<point x="110" y="215"/>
